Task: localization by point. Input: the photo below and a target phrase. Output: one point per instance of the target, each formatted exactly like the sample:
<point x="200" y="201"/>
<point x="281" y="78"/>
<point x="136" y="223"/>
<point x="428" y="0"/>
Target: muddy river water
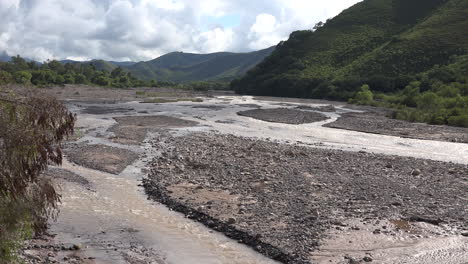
<point x="116" y="223"/>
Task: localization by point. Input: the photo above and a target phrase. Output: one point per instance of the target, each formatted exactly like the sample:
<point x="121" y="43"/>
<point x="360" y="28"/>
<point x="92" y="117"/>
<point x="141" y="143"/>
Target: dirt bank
<point x="281" y="199"/>
<point x="378" y="123"/>
<point x="284" y="115"/>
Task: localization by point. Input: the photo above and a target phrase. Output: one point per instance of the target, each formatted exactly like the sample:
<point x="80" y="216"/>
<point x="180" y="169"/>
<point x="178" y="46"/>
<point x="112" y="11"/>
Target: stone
<point x="76" y="247"/>
<point x="367" y="259"/>
<point x="416" y="172"/>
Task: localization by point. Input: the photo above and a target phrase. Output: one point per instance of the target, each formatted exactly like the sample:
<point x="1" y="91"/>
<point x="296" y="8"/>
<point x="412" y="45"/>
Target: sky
<point x="137" y="30"/>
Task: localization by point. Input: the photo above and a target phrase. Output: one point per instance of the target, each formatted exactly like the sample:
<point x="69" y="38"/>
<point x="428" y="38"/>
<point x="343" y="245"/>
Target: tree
<point x="69" y="78"/>
<point x="117" y="72"/>
<point x="101" y="80"/>
<point x="80" y="79"/>
<point x="31" y="131"/>
<point x="22" y="77"/>
<point x="364" y="96"/>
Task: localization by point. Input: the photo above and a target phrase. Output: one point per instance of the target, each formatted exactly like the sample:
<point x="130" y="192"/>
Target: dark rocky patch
<point x="284" y="115"/>
<point x="249" y="105"/>
<point x="280" y="199"/>
<point x="100" y="157"/>
<point x="133" y="129"/>
<point x="210" y="107"/>
<point x="377" y="123"/>
<point x="66" y="175"/>
<point x="326" y="108"/>
<point x="104" y="110"/>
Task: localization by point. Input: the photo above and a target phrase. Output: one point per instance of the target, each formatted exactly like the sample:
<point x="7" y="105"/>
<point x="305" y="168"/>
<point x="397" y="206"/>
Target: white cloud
<point x="144" y="29"/>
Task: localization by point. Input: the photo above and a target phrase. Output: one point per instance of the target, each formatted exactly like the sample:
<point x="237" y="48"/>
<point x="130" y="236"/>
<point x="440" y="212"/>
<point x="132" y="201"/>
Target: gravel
<point x="378" y="123"/>
<point x="280" y="199"/>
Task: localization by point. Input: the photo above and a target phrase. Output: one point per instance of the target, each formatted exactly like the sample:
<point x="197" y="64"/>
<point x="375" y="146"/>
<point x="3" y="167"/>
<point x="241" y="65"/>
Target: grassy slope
<point x="374" y="37"/>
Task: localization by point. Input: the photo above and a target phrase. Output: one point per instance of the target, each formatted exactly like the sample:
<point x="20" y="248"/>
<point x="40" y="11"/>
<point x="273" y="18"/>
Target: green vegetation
<point x="438" y="96"/>
<point x="31" y="130"/>
<point x="187" y="67"/>
<point x="197" y="85"/>
<point x="55" y="73"/>
<point x="406" y="52"/>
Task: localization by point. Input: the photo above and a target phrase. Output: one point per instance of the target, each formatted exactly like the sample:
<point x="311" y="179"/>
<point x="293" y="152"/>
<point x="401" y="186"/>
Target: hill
<point x="383" y="43"/>
<point x="101" y="65"/>
<point x="184" y="67"/>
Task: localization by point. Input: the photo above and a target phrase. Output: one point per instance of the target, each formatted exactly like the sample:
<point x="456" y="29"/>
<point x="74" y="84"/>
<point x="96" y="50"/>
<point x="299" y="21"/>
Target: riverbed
<point x="117" y="142"/>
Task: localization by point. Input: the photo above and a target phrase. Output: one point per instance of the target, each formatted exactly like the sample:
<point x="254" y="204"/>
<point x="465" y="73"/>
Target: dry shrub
<point x="32" y="127"/>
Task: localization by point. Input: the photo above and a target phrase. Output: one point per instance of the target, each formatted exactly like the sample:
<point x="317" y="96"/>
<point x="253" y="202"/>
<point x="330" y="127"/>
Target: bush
<point x="43" y="77"/>
<point x="102" y="80"/>
<point x="69" y="78"/>
<point x="364" y="96"/>
<point x="59" y="80"/>
<point x="80" y="79"/>
<point x="22" y="77"/>
<point x="461" y="121"/>
<point x="5" y="77"/>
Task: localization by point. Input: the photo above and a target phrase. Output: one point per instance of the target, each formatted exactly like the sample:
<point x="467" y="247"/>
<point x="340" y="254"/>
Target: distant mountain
<point x="382" y="43"/>
<point x="181" y="67"/>
<point x="184" y="67"/>
<point x="4" y="57"/>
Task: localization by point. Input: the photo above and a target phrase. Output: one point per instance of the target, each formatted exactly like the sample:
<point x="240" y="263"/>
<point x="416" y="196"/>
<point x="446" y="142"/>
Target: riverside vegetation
<point x="31" y="130"/>
<point x="407" y="55"/>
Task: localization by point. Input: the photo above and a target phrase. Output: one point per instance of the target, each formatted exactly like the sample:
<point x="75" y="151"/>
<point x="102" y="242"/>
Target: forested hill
<point x="383" y="43"/>
<point x="183" y="67"/>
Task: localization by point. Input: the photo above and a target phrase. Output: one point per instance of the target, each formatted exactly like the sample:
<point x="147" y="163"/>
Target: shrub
<point x="31" y="130"/>
<point x="22" y="77"/>
<point x="461" y="121"/>
<point x="80" y="79"/>
<point x="69" y="78"/>
<point x="5" y="77"/>
<point x="364" y="96"/>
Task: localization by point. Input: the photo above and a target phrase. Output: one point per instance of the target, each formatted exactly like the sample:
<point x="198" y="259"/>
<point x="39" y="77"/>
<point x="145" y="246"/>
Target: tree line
<point x="20" y="71"/>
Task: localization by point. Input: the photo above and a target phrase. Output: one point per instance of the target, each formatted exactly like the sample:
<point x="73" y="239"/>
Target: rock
<point x="367" y="259"/>
<point x="465" y="234"/>
<point x="76" y="247"/>
<point x="416" y="172"/>
<point x="231" y="221"/>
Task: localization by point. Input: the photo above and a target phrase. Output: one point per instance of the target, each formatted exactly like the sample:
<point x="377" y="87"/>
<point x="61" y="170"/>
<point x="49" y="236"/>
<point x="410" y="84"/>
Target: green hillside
<point x="185" y="67"/>
<point x="400" y="54"/>
<point x="378" y="42"/>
